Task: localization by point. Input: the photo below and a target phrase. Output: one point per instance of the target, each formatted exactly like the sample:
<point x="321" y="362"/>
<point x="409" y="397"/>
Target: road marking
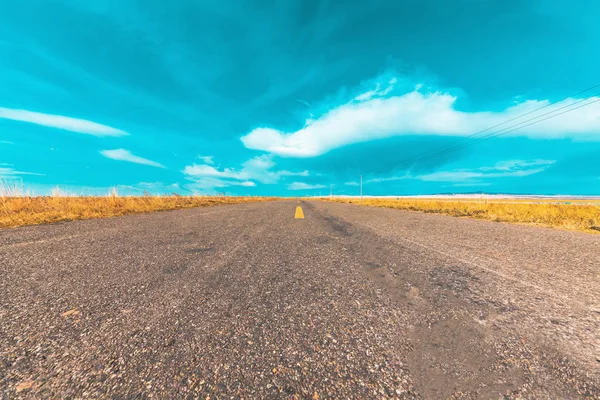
<point x="299" y="213"/>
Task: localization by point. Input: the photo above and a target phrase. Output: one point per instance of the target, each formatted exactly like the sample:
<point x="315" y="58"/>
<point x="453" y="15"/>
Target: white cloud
<point x="210" y="171"/>
<point x="351" y="183"/>
<point x="504" y="169"/>
<point x="380" y="113"/>
<point x="7" y="172"/>
<point x="210" y="183"/>
<point x="303" y="186"/>
<point x="469" y="184"/>
<point x="389" y="178"/>
<point x="201" y="184"/>
<point x="512" y="165"/>
<point x="258" y="169"/>
<point x="125" y="155"/>
<point x="377" y="92"/>
<point x="207" y="159"/>
<point x="157" y="185"/>
<point x="151" y="187"/>
<point x="60" y="122"/>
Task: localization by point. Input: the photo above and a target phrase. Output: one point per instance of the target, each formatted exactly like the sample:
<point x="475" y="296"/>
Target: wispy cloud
<point x="304" y="186"/>
<point x="389" y="178"/>
<point x="210" y="171"/>
<point x="151" y="187"/>
<point x="388" y="111"/>
<point x="60" y="122"/>
<point x="6" y="172"/>
<point x="377" y="92"/>
<point x="210" y="183"/>
<point x="155" y="185"/>
<point x="504" y="169"/>
<point x="258" y="169"/>
<point x="471" y="184"/>
<point x="518" y="165"/>
<point x="126" y="155"/>
<point x="468" y="176"/>
<point x="207" y="159"/>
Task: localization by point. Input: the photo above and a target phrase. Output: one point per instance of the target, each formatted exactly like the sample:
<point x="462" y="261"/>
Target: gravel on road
<point x="246" y="301"/>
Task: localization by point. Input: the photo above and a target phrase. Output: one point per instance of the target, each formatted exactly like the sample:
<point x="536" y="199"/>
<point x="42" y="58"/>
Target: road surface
<point x="247" y="301"/>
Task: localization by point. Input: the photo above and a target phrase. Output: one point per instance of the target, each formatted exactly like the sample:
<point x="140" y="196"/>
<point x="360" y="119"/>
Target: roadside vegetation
<point x="563" y="214"/>
<point x="19" y="209"/>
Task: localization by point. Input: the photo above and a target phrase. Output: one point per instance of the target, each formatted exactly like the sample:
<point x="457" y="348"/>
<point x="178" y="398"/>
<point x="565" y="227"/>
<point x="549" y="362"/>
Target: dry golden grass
<point x="27" y="210"/>
<point x="574" y="216"/>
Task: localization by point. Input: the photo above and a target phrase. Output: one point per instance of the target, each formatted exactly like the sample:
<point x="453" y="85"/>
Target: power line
<point x="510" y="129"/>
<point x="518" y="117"/>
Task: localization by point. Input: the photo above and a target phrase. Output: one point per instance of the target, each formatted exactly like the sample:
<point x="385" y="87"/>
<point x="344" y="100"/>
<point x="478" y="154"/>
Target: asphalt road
<point x="246" y="301"/>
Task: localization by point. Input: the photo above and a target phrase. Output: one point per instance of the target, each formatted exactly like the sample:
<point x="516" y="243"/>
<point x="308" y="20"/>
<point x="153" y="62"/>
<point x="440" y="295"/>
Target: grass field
<point x="556" y="213"/>
<point x="27" y="210"/>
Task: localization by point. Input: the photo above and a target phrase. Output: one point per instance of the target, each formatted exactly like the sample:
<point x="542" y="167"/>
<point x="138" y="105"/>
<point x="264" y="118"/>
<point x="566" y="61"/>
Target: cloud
<point x="377" y="92"/>
<point x="351" y="183"/>
<point x="504" y="169"/>
<point x="157" y="185"/>
<point x="125" y="155"/>
<point x="517" y="165"/>
<point x="6" y="172"/>
<point x="470" y="184"/>
<point x="60" y="122"/>
<point x="207" y="159"/>
<point x="389" y="179"/>
<point x="209" y="183"/>
<point x="210" y="171"/>
<point x="383" y="113"/>
<point x="258" y="169"/>
<point x="303" y="186"/>
<point x="151" y="187"/>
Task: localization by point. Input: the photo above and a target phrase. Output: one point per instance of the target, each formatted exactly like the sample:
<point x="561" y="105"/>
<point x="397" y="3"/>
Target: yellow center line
<point x="299" y="213"/>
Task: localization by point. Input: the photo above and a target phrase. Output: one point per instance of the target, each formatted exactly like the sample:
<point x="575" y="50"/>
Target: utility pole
<point x="361" y="187"/>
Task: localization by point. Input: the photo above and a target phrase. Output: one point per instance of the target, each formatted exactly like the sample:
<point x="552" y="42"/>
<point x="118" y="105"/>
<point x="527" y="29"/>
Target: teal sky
<point x="294" y="97"/>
